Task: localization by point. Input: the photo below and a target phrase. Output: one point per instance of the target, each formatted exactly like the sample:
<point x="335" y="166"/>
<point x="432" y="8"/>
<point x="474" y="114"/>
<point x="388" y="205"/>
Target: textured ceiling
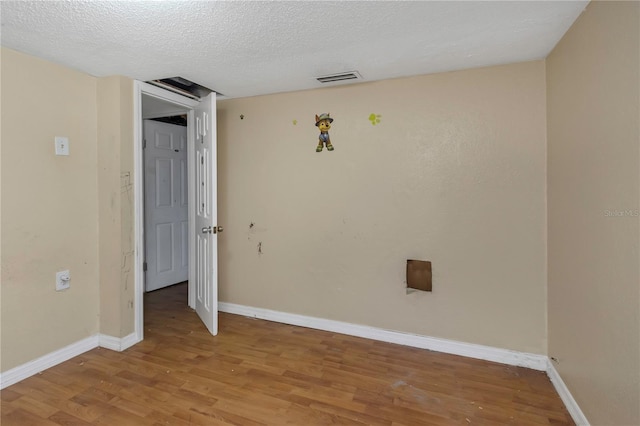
<point x="252" y="48"/>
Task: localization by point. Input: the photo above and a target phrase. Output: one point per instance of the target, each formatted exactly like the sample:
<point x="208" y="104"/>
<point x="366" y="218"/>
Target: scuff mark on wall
<point x="260" y="247"/>
<point x="127" y="261"/>
<point x="126" y="186"/>
<point x="253" y="230"/>
<point x="126" y="200"/>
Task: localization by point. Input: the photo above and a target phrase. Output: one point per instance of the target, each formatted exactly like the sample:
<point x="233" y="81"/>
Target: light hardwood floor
<point x="263" y="373"/>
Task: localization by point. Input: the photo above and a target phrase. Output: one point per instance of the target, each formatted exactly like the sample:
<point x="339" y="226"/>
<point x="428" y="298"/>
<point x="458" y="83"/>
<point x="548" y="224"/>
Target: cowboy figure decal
<point x="323" y="122"/>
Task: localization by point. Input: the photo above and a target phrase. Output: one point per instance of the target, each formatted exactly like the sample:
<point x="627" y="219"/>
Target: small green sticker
<point x="374" y="118"/>
<point x="295" y="122"/>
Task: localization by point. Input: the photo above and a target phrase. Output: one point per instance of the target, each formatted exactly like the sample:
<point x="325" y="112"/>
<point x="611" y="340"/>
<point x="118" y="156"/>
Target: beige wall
<point x="60" y="213"/>
<point x="593" y="167"/>
<point x="453" y="173"/>
<point x="115" y="197"/>
<point x="49" y="207"/>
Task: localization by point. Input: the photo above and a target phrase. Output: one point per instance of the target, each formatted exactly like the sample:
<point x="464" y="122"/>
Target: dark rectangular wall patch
<point x="419" y="275"/>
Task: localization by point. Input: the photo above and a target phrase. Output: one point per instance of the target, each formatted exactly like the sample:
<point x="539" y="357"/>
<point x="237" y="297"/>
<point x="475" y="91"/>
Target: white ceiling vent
<point x="341" y="77"/>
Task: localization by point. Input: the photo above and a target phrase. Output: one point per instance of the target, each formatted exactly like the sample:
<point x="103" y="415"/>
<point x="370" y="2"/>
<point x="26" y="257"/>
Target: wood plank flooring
<point x="263" y="373"/>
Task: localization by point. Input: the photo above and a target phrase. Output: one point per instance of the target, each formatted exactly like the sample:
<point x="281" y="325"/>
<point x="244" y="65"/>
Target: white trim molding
<point x="30" y="368"/>
<point x="128" y="341"/>
<point x="572" y="406"/>
<point x="54" y="358"/>
<point x="116" y="343"/>
<point x="471" y="350"/>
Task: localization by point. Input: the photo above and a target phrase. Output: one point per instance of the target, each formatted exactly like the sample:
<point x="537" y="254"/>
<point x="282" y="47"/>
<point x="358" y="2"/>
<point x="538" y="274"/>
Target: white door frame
<point x="181" y="102"/>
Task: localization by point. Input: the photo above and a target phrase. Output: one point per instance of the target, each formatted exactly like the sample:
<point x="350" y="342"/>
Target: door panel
<point x="206" y="214"/>
<point x="164" y="182"/>
<point x="162" y="140"/>
<point x="165" y="204"/>
<point x="164" y="238"/>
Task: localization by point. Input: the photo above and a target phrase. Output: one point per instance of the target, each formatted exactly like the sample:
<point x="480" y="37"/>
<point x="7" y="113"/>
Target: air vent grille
<point x="344" y="76"/>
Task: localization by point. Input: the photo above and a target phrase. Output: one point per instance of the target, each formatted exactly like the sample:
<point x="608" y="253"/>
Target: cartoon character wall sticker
<point x="323" y="122"/>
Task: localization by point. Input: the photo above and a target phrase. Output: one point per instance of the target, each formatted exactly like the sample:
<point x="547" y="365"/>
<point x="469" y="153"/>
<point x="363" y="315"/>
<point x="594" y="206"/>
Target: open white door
<point x="166" y="218"/>
<point x="206" y="214"/>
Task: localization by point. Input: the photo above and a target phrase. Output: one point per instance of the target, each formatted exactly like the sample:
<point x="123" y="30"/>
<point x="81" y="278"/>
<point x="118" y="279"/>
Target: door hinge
<point x="144" y="266"/>
<point x="144" y="144"/>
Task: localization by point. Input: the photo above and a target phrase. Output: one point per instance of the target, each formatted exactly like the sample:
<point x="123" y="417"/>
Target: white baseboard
<point x="130" y="340"/>
<point x="572" y="406"/>
<point x="117" y="344"/>
<point x="109" y="342"/>
<point x="30" y="368"/>
<point x="503" y="356"/>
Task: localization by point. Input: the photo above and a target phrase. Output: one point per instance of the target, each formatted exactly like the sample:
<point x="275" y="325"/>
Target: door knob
<point x="206" y="230"/>
<point x="217" y="229"/>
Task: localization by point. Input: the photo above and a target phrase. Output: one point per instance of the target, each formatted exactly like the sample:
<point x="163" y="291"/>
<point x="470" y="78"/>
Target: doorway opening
<point x="175" y="173"/>
<point x="165" y="185"/>
<point x="166" y="219"/>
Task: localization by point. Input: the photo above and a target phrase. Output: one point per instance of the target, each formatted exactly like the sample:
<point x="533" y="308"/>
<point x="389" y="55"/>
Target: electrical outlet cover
<point x="63" y="280"/>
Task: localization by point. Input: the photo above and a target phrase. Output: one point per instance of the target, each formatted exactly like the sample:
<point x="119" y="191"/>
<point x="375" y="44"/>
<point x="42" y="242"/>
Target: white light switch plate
<point x="62" y="145"/>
